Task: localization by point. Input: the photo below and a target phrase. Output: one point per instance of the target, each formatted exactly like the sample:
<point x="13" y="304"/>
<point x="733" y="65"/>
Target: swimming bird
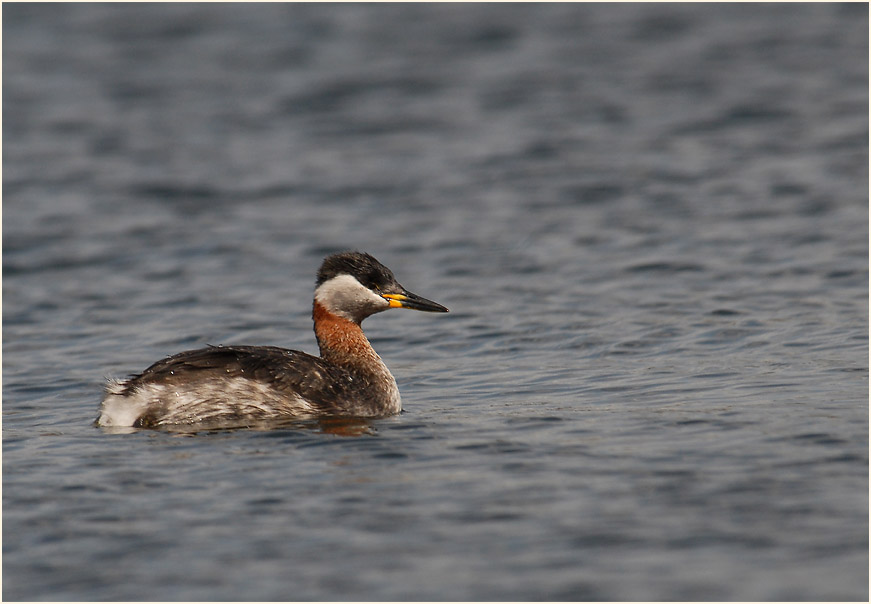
<point x="243" y="385"/>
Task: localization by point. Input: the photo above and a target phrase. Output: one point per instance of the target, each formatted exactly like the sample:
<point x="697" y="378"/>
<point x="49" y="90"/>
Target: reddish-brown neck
<point x="343" y="343"/>
<point x="341" y="340"/>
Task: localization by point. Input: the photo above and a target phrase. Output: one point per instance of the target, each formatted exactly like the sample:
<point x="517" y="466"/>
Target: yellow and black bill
<point x="409" y="300"/>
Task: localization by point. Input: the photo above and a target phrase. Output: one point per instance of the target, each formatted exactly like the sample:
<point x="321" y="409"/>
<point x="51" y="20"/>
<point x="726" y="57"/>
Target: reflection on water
<point x="338" y="426"/>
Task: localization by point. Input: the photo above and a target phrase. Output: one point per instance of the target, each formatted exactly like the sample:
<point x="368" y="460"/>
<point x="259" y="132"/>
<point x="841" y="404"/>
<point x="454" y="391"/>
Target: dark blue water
<point x="650" y="223"/>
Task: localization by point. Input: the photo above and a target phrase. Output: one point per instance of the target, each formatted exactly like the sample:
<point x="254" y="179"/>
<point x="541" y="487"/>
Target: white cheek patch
<point x="346" y="297"/>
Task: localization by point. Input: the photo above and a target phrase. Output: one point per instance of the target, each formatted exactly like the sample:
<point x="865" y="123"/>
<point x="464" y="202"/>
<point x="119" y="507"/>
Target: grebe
<point x="241" y="385"/>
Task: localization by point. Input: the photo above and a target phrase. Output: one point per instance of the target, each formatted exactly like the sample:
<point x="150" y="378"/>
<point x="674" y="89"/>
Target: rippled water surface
<point x="650" y="224"/>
